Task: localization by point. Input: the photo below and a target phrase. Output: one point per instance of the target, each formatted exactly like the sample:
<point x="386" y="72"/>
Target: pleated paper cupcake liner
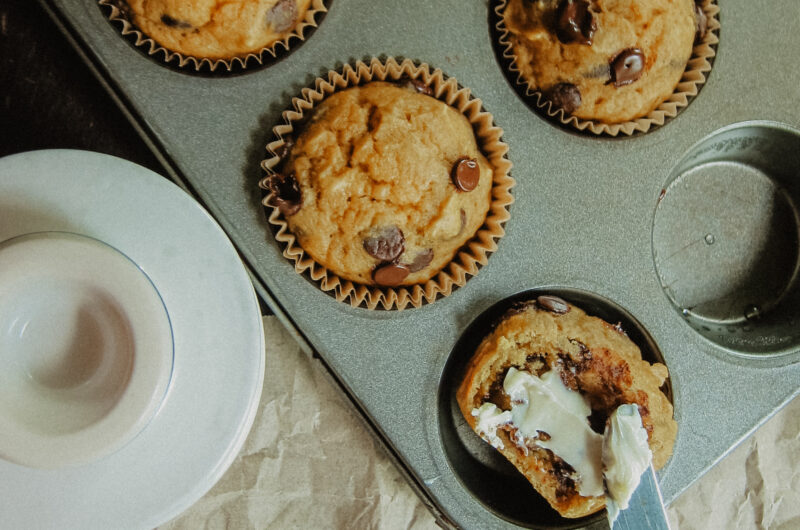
<point x="119" y="13"/>
<point x="470" y="258"/>
<point x="687" y="88"/>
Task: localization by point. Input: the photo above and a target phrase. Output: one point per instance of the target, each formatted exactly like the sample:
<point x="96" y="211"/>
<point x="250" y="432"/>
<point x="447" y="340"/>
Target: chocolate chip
<point x="282" y="16"/>
<point x="565" y="96"/>
<point x="174" y="23"/>
<point x="583" y="350"/>
<point x="390" y="274"/>
<point x="466" y="173"/>
<point x="543" y="436"/>
<point x="386" y="245"/>
<point x="535" y="358"/>
<point x="421" y="260"/>
<point x="575" y="22"/>
<point x="286" y="194"/>
<point x="700" y="24"/>
<point x="627" y="66"/>
<point x="565" y="484"/>
<point x="553" y="304"/>
<point x="417" y="85"/>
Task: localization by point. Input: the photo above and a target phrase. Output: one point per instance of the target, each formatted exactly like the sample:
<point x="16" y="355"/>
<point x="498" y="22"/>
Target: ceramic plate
<point x="218" y="367"/>
<point x="85" y="350"/>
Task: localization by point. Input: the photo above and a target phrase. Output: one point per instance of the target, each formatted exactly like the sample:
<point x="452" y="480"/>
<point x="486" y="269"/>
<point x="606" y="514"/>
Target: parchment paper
<point x="309" y="462"/>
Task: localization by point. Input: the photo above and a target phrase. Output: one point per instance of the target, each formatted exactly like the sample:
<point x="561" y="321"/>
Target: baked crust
<point x="378" y="157"/>
<point x="217" y="29"/>
<point x="597" y="359"/>
<point x="664" y="30"/>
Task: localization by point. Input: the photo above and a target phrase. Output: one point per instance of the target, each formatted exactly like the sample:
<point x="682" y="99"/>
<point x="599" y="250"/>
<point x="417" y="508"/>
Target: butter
<point x="489" y="419"/>
<point x="545" y="412"/>
<point x="626" y="455"/>
<point x="563" y="415"/>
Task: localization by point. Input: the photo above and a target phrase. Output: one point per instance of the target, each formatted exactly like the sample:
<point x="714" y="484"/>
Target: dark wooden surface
<point x="50" y="99"/>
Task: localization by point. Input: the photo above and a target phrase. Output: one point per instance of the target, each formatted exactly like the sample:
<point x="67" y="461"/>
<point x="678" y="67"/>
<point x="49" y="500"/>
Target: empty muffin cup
<point x="726" y="235"/>
<point x="491" y="479"/>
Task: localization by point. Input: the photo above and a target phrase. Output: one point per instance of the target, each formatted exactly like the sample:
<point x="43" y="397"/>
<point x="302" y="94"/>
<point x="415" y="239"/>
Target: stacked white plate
<point x="131" y="345"/>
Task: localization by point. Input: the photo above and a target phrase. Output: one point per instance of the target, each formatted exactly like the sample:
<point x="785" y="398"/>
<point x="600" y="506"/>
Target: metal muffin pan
<point x="587" y="217"/>
<point x="482" y="470"/>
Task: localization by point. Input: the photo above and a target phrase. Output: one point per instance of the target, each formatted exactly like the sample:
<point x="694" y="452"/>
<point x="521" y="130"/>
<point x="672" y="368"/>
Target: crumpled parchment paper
<point x="309" y="462"/>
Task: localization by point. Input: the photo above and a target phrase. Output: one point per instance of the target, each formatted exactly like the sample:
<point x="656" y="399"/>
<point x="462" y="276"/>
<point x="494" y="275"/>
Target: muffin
<point x="384" y="184"/>
<point x="591" y="368"/>
<point x="388" y="185"/>
<point x="605" y="61"/>
<point x="214" y="32"/>
<point x="217" y="29"/>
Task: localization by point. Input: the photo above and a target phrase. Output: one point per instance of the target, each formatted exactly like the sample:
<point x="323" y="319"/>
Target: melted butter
<point x="545" y="405"/>
<point x="563" y="415"/>
<point x="626" y="455"/>
<point x="489" y="419"/>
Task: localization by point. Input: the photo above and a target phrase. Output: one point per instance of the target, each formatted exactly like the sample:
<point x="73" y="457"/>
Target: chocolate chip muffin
<point x="217" y="29"/>
<point x="589" y="368"/>
<point x="609" y="61"/>
<point x="383" y="184"/>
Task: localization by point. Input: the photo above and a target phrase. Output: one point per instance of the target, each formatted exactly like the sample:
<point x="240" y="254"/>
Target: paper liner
<point x="473" y="255"/>
<point x="693" y="77"/>
<point x="119" y="12"/>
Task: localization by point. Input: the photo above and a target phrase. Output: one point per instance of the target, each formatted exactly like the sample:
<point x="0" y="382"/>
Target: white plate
<point x="86" y="351"/>
<point x="219" y="343"/>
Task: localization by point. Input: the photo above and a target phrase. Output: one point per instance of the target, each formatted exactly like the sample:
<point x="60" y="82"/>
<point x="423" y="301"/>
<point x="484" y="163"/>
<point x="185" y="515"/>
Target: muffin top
<point x="610" y="61"/>
<point x="217" y="29"/>
<point x="384" y="184"/>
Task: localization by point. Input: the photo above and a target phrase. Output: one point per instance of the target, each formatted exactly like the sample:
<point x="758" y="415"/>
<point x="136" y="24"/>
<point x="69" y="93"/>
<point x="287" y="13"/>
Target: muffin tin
<point x="624" y="222"/>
